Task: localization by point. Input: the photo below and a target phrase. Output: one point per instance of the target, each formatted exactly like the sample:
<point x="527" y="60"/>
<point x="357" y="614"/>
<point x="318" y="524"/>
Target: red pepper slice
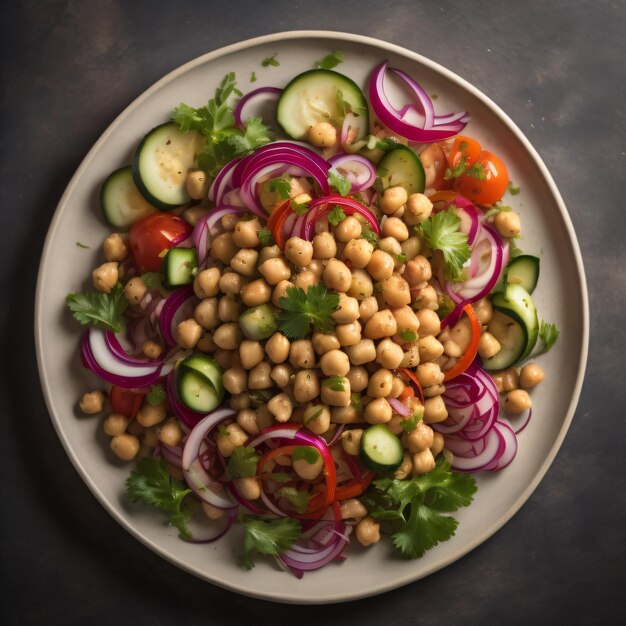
<point x="125" y="401"/>
<point x="470" y="354"/>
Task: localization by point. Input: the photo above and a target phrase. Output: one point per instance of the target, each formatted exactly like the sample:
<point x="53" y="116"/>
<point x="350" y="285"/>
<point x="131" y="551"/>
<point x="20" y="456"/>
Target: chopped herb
<point x="336" y="383"/>
<point x="222" y="430"/>
<point x="82" y="245"/>
<point x="302" y="310"/>
<point x="280" y="186"/>
<point x="330" y="61"/>
<point x="266" y="237"/>
<point x="345" y="107"/>
<point x="369" y="235"/>
<point x="267" y="537"/>
<point x="253" y="77"/>
<point x="514" y="189"/>
<point x="306" y="453"/>
<point x="410" y="423"/>
<point x="496" y="208"/>
<point x="267" y="61"/>
<point x="313" y="416"/>
<point x="242" y="463"/>
<point x="408" y="336"/>
<point x="461" y="167"/>
<point x="152" y="484"/>
<point x="279" y="477"/>
<point x="477" y="171"/>
<point x="299" y="499"/>
<point x="548" y="334"/>
<point x="340" y="184"/>
<point x="355" y="401"/>
<point x="100" y="309"/>
<point x="336" y="215"/>
<point x="156" y="395"/>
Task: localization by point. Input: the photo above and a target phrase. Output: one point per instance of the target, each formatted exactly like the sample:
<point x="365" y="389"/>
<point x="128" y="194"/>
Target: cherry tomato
<point x="489" y="190"/>
<point x="463" y="148"/>
<point x="125" y="401"/>
<point x="435" y="163"/>
<point x="153" y="234"/>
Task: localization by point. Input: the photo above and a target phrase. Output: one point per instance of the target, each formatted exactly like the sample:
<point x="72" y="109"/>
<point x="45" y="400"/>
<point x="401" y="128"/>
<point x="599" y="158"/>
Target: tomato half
<point x="125" y="401"/>
<point x="152" y="235"/>
<point x="463" y="148"/>
<point x="489" y="190"/>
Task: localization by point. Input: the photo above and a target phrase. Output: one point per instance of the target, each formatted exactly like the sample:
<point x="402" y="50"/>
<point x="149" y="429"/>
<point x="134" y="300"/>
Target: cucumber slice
<point x="207" y="367"/>
<point x="258" y="322"/>
<point x="402" y="167"/>
<point x="178" y="265"/>
<point x="122" y="204"/>
<point x="515" y="325"/>
<point x="161" y="163"/>
<point x="316" y="96"/>
<point x="196" y="392"/>
<point x="381" y="450"/>
<point x="523" y="270"/>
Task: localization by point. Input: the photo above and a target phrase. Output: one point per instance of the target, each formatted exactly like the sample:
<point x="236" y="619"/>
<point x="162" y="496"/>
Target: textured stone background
<point x="557" y="68"/>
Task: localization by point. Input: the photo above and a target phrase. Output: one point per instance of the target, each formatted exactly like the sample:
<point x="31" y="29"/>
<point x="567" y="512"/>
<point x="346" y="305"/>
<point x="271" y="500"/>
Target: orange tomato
<point x="463" y="148"/>
<point x="491" y="188"/>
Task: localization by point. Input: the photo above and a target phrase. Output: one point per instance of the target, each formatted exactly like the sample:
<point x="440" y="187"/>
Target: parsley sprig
<point x="269" y="537"/>
<point x="340" y="184"/>
<point x="105" y="310"/>
<point x="302" y="310"/>
<point x="242" y="463"/>
<point x="330" y="60"/>
<point x="548" y="334"/>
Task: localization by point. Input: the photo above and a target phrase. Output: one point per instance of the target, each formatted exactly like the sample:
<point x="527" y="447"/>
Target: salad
<point x="314" y="325"/>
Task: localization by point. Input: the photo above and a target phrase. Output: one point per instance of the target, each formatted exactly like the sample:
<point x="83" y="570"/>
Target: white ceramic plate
<point x="561" y="296"/>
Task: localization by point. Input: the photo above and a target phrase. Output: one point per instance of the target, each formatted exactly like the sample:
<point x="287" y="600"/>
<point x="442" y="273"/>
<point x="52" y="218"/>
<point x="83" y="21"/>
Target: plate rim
<point x="571" y="238"/>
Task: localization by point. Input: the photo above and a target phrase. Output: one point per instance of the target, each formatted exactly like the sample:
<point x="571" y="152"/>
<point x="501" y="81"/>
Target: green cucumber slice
<point x="402" y="167"/>
<point x="178" y="266"/>
<point x="207" y="367"/>
<point x="523" y="270"/>
<point x="122" y="204"/>
<point x="381" y="450"/>
<point x="196" y="391"/>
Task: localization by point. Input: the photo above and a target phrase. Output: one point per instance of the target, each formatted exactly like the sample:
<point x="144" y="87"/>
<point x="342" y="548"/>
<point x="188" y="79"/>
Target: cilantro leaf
<point x="100" y="309"/>
<point x="336" y="215"/>
<point x="267" y="537"/>
<point x="242" y="463"/>
<point x="299" y="499"/>
<point x="266" y="237"/>
<point x="514" y="189"/>
<point x="152" y="484"/>
<point x="82" y="245"/>
<point x="156" y="395"/>
<point x="302" y="310"/>
<point x="267" y="61"/>
<point x="410" y="423"/>
<point x="408" y="336"/>
<point x="300" y="208"/>
<point x="281" y="186"/>
<point x="256" y="134"/>
<point x="369" y="235"/>
<point x="477" y="171"/>
<point x="441" y="232"/>
<point x="330" y="61"/>
<point x="548" y="334"/>
<point x="253" y="77"/>
<point x="340" y="184"/>
<point x="336" y="383"/>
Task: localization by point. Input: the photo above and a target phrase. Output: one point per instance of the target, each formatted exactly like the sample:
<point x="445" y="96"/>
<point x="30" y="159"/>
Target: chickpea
<point x="259" y="376"/>
<point x="306" y="469"/>
<point x="92" y="402"/>
<point x="206" y="283"/>
<point x="358" y="378"/>
<point x="135" y="289"/>
<point x="348" y="334"/>
<point x="322" y="135"/>
<point x="115" y="247"/>
<point x="507" y="224"/>
<point x="517" y="401"/>
<point x="393" y="199"/>
<point x="263" y="417"/>
<point x="150" y="437"/>
<point x="152" y="349"/>
<point x="418" y="209"/>
<point x="405" y="467"/>
<point x="349" y="228"/>
<point x="395" y="291"/>
<point x="367" y="308"/>
<point x="115" y="424"/>
<point x="277" y="348"/>
<point x="484" y="310"/>
<point x="255" y="293"/>
<point x="228" y="336"/>
<point x="381" y="265"/>
<point x="429" y="374"/>
<point x="212" y="512"/>
<point x="337" y="275"/>
<point x="358" y="252"/>
<point x="188" y="333"/>
<point x="378" y="411"/>
<point x="151" y="414"/>
<point x="426" y="298"/>
<point x="197" y="185"/>
<point x="423" y="462"/>
<point x="362" y="352"/>
<point x="396" y="228"/>
<point x="348" y="310"/>
<point x="316" y="267"/>
<point x="429" y="348"/>
<point x="227" y="358"/>
<point x="530" y="375"/>
<point x="429" y="323"/>
<point x="344" y="415"/>
<point x="206" y="313"/>
<point x="324" y="246"/>
<point x="506" y="380"/>
<point x="438" y="443"/>
<point x="125" y="446"/>
<point x="298" y="251"/>
<point x="246" y="233"/>
<point x="352" y="509"/>
<point x="223" y="248"/>
<point x="420" y="438"/>
<point x="305" y="279"/>
<point x="418" y="272"/>
<point x="335" y="363"/>
<point x="380" y="383"/>
<point x="340" y="395"/>
<point x="246" y="419"/>
<point x="229" y="438"/>
<point x="317" y="418"/>
<point x="170" y="433"/>
<point x="251" y="353"/>
<point x="381" y="324"/>
<point x="389" y="354"/>
<point x="240" y="401"/>
<point x="235" y="380"/>
<point x="274" y="270"/>
<point x="411" y="357"/>
<point x="435" y="410"/>
<point x="105" y="276"/>
<point x="248" y="487"/>
<point x="397" y="387"/>
<point x="368" y="531"/>
<point x="361" y="286"/>
<point x="281" y="375"/>
<point x="351" y="441"/>
<point x="433" y="390"/>
<point x="193" y="214"/>
<point x="411" y="247"/>
<point x="461" y="333"/>
<point x="270" y="252"/>
<point x="280" y="291"/>
<point x="306" y="386"/>
<point x="245" y="261"/>
<point x="301" y="354"/>
<point x="280" y="407"/>
<point x="452" y="349"/>
<point x="228" y="309"/>
<point x="323" y="343"/>
<point x="232" y="283"/>
<point x="406" y="319"/>
<point x="488" y="345"/>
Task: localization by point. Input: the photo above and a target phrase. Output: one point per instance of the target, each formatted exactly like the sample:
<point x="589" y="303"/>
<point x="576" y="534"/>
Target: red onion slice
<point x="255" y="98"/>
<point x="178" y="306"/>
<point x="357" y="169"/>
<point x="493" y="450"/>
<point x="209" y="531"/>
<point x="510" y="444"/>
<point x="223" y="181"/>
<point x="398" y="407"/>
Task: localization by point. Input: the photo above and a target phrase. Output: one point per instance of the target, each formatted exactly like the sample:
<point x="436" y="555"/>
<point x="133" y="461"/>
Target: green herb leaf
<point x="441" y="232"/>
<point x="156" y="395"/>
<point x="279" y="477"/>
<point x="340" y="184"/>
<point x="514" y="249"/>
<point x="100" y="309"/>
<point x="355" y="401"/>
<point x="267" y="537"/>
<point x="242" y="463"/>
<point x="548" y="334"/>
<point x="299" y="499"/>
<point x="411" y="423"/>
<point x="408" y="336"/>
<point x="313" y="416"/>
<point x="253" y="77"/>
<point x="82" y="245"/>
<point x="514" y="189"/>
<point x="477" y="171"/>
<point x="300" y="208"/>
<point x="336" y="383"/>
<point x="336" y="215"/>
<point x="330" y="61"/>
<point x="266" y="237"/>
<point x="153" y="485"/>
<point x="267" y="61"/>
<point x="281" y="186"/>
<point x="306" y="453"/>
<point x="302" y="310"/>
<point x="369" y="235"/>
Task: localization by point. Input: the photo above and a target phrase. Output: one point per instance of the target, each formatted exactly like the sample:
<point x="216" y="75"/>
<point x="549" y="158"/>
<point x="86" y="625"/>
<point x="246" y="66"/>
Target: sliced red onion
<point x="196" y="476"/>
<point x="356" y="168"/>
<point x="242" y="500"/>
<point x="523" y="419"/>
<point x="473" y="462"/>
<point x="255" y="98"/>
<point x="399" y="407"/>
<point x="349" y="205"/>
<point x="510" y="444"/>
<point x="209" y="531"/>
<point x="178" y="306"/>
<point x="206" y="226"/>
<point x="223" y="182"/>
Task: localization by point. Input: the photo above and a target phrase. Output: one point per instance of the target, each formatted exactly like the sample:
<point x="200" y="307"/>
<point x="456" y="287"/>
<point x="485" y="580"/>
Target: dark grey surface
<point x="557" y="68"/>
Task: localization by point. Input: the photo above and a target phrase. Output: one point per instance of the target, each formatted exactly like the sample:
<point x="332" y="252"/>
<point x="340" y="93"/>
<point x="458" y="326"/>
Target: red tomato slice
<point x="489" y="190"/>
<point x="125" y="401"/>
<point x="152" y="235"/>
